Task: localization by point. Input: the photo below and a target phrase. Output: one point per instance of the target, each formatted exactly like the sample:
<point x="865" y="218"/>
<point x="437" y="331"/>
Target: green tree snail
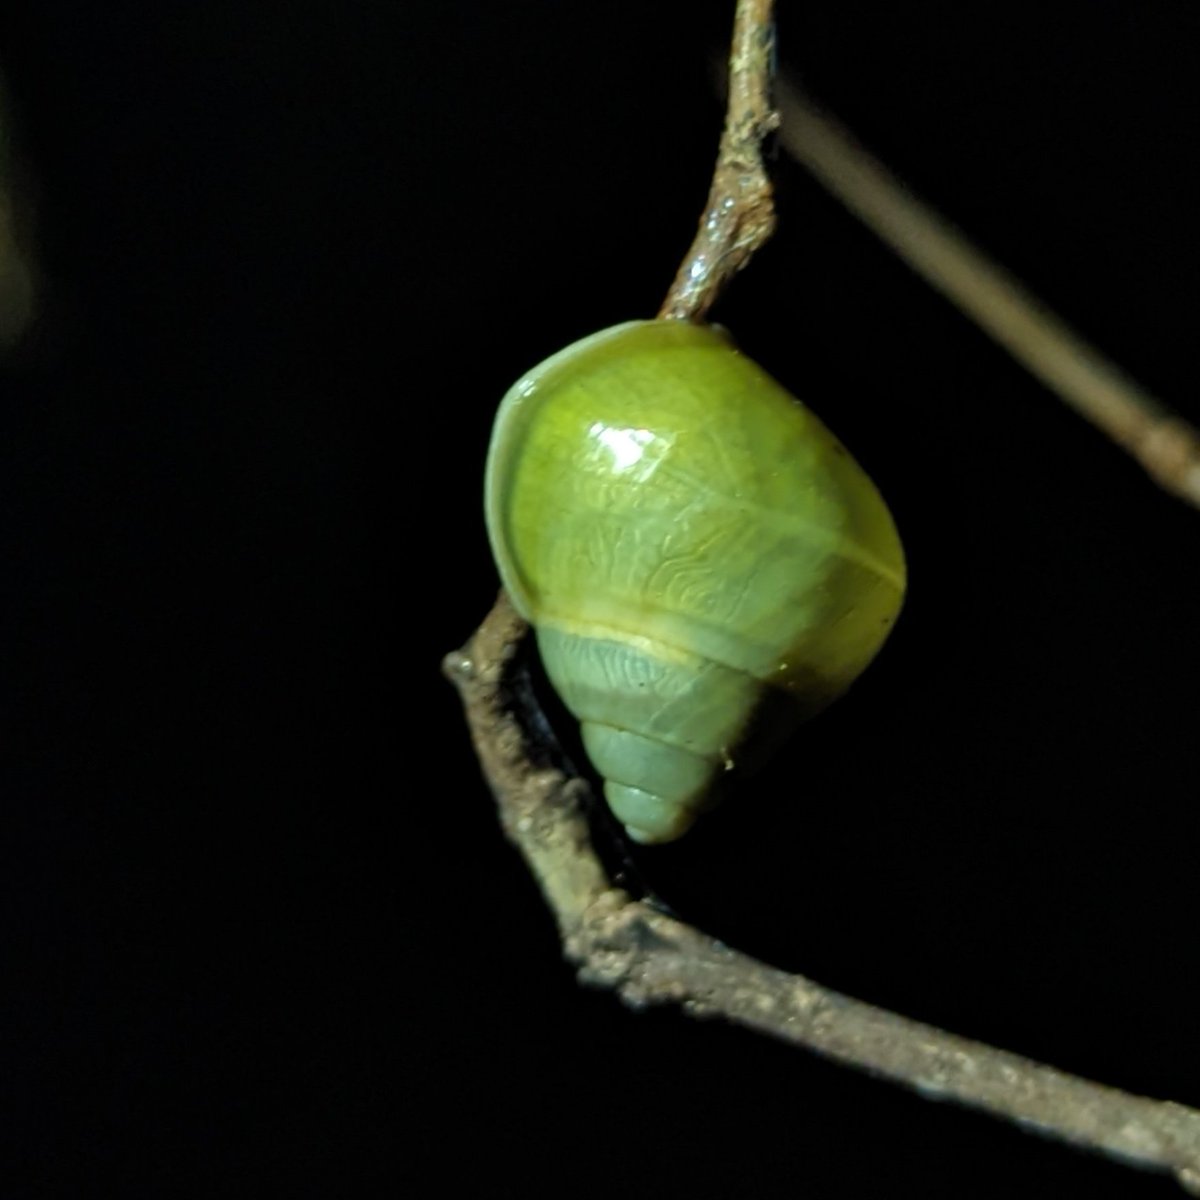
<point x="692" y="547"/>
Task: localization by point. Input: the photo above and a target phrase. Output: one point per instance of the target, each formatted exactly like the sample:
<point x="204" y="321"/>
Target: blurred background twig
<point x="1167" y="446"/>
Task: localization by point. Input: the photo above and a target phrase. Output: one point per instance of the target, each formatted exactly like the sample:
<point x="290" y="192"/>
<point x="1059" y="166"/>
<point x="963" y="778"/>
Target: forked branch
<point x="648" y="957"/>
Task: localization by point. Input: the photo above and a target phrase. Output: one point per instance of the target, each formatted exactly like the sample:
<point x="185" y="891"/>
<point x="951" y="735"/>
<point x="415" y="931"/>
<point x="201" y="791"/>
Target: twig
<point x="1167" y="446"/>
<point x="18" y="277"/>
<point x="650" y="958"/>
<point x="740" y="214"/>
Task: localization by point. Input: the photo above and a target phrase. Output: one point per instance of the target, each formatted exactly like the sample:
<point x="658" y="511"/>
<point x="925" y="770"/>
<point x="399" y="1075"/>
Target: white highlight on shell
<point x="636" y="451"/>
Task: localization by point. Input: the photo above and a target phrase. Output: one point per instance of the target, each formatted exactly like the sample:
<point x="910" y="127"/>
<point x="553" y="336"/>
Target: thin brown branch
<point x="650" y="958"/>
<point x="740" y="214"/>
<point x="18" y="276"/>
<point x="1167" y="446"/>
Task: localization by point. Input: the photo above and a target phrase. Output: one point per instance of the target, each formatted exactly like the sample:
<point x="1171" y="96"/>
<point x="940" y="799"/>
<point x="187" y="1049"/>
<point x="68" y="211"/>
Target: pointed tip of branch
<point x="1190" y="486"/>
<point x="1170" y="452"/>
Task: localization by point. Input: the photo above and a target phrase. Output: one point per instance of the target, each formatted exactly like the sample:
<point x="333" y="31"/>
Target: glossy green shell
<point x="689" y="543"/>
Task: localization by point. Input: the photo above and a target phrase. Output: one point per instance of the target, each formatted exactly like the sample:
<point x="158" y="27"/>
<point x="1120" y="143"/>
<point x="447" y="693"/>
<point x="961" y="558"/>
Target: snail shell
<point x="692" y="547"/>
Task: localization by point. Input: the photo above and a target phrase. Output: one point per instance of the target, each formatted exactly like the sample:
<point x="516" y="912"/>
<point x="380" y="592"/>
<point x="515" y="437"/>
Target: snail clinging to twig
<point x="702" y="561"/>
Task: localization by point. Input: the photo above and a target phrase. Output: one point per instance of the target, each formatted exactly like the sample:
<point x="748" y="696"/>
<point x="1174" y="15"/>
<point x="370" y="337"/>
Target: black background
<point x="259" y="933"/>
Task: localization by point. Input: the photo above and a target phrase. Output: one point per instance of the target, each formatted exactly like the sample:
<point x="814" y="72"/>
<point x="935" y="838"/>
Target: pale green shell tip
<point x="648" y="819"/>
<point x="657" y="837"/>
<point x="643" y="837"/>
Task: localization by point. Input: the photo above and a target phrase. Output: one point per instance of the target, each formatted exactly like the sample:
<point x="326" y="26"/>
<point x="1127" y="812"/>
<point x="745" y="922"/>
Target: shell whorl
<point x="658" y="722"/>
